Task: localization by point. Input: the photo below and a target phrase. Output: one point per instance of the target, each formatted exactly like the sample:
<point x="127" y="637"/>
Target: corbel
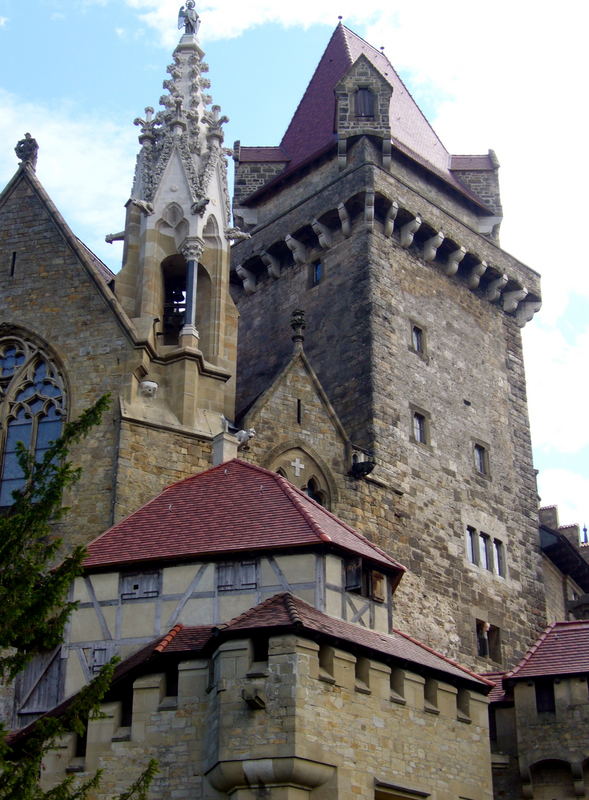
<point x="389" y="220"/>
<point x="495" y="287"/>
<point x="409" y="230"/>
<point x="526" y="310"/>
<point x="511" y="300"/>
<point x="431" y="245"/>
<point x="248" y="278"/>
<point x="322" y="232"/>
<point x="271" y="263"/>
<point x="298" y="249"/>
<point x="453" y="261"/>
<point x="475" y="274"/>
<point x="344" y="219"/>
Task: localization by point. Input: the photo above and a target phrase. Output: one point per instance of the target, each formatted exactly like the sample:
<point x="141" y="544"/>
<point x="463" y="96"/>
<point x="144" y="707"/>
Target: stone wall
<point x="312" y="735"/>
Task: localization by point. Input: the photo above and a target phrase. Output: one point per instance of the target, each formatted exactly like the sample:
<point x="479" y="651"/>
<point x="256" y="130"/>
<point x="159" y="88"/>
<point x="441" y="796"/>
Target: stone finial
<point x="297" y="323"/>
<point x="188" y="18"/>
<point x="27" y="150"/>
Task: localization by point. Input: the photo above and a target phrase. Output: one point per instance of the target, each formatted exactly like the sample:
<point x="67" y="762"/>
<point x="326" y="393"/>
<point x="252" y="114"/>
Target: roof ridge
<point x="294" y="497"/>
<point x="444" y="658"/>
<point x="170" y="636"/>
<point x="531" y="650"/>
<point x="300" y="494"/>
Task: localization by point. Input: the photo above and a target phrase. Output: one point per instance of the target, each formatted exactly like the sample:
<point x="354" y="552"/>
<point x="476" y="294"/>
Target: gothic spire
<point x="186" y="124"/>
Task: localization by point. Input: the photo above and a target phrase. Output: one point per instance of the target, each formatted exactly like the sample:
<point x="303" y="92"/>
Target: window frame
<point x="35" y="389"/>
<point x="480" y="459"/>
<point x="239" y="572"/>
<point x="420" y="417"/>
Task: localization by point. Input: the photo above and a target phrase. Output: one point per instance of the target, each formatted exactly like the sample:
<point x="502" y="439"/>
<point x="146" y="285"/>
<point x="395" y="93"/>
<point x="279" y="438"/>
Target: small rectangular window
<point x="140" y="585"/>
<point x="316" y="273"/>
<point x="417" y="339"/>
<point x="481" y="459"/>
<point x="419" y="427"/>
<point x="488" y="640"/>
<point x="233" y="576"/>
<point x="364" y="103"/>
<point x="472" y="545"/>
<point x="498" y="557"/>
<point x="485" y="552"/>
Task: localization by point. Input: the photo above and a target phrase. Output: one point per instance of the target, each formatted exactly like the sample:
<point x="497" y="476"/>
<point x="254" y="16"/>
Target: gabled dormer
<point x="363" y="97"/>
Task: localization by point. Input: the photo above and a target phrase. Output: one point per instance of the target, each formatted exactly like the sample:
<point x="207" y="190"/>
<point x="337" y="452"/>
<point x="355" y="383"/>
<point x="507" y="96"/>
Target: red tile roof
<point x="285" y="611"/>
<point x="497" y="693"/>
<point x="563" y="649"/>
<point x="232" y="508"/>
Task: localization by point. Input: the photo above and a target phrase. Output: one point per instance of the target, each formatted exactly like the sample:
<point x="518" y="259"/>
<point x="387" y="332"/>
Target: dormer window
<point x="364" y="103"/>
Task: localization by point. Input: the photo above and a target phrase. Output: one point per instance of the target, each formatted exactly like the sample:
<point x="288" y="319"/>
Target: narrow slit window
<point x="481" y="459"/>
<point x="417" y="339"/>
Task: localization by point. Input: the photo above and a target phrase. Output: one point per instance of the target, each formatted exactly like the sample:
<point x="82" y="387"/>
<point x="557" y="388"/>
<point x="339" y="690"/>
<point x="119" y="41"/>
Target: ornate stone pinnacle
<point x="27" y="149"/>
<point x="297" y="323"/>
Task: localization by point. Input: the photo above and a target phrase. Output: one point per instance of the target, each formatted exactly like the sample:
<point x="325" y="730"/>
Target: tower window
<point x="417" y="339"/>
<point x="481" y="459"/>
<point x="488" y="640"/>
<point x="472" y="544"/>
<point x="32" y="408"/>
<point x="316" y="274"/>
<point x="498" y="557"/>
<point x="420" y="432"/>
<point x="364" y="103"/>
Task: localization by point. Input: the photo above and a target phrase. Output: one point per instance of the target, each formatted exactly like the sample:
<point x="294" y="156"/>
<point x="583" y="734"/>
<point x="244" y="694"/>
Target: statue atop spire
<point x="188" y="18"/>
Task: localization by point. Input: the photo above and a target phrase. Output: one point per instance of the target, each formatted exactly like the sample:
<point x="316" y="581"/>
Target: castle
<point x="374" y="551"/>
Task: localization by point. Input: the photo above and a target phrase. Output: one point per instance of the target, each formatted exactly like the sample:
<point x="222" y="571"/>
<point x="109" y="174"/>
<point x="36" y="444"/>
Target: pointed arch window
<point x="32" y="407"/>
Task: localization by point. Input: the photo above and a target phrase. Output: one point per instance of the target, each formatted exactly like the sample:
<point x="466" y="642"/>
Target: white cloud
<point x="568" y="490"/>
<point x="85" y="163"/>
<point x="3" y="21"/>
<point x="557" y="373"/>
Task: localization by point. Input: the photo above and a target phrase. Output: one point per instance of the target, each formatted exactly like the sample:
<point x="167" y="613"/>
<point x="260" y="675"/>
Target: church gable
<point x="299" y="434"/>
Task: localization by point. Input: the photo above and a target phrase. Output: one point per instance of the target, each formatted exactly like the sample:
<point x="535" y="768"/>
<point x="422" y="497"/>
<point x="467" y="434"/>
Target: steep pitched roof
<point x="235" y="507"/>
<point x="563" y="649"/>
<point x="312" y="128"/>
<point x="312" y="125"/>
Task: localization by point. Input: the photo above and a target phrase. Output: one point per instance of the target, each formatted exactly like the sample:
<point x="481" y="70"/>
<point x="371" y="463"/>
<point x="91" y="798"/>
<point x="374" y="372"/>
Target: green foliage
<point x="33" y="597"/>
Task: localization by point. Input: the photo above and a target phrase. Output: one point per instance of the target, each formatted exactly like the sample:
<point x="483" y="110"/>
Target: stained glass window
<point x="32" y="407"/>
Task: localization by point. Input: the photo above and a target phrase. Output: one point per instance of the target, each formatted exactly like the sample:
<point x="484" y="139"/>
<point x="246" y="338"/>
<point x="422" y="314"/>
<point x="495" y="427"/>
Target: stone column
<point x="191" y="249"/>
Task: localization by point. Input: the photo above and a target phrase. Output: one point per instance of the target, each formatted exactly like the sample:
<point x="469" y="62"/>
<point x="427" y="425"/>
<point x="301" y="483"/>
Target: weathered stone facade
<point x="312" y="736"/>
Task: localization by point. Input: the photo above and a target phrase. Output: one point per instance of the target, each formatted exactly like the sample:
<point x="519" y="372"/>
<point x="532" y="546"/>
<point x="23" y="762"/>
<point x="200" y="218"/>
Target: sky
<point x="510" y="76"/>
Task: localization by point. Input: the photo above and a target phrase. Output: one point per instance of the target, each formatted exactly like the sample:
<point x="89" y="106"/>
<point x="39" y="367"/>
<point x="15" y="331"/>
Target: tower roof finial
<point x="297" y="323"/>
<point x="27" y="149"/>
<point x="189" y="19"/>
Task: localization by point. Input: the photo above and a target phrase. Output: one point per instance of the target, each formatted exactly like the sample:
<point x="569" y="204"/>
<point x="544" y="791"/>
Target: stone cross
<point x="298" y="466"/>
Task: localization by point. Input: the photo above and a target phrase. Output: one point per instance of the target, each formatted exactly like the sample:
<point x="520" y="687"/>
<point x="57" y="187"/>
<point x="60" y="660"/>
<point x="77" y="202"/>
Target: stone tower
<point x="362" y="218"/>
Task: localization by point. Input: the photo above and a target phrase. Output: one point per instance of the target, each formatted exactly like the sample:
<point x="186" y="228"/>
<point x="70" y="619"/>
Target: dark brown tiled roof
<point x="563" y="649"/>
<point x="482" y="162"/>
<point x="287" y="610"/>
<point x="232" y="508"/>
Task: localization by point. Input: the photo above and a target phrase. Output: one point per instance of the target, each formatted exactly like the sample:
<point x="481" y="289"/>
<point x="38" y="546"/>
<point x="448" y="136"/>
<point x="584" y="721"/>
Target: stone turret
<point x="174" y="280"/>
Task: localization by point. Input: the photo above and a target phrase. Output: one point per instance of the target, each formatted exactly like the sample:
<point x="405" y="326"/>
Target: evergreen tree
<point x="34" y="584"/>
